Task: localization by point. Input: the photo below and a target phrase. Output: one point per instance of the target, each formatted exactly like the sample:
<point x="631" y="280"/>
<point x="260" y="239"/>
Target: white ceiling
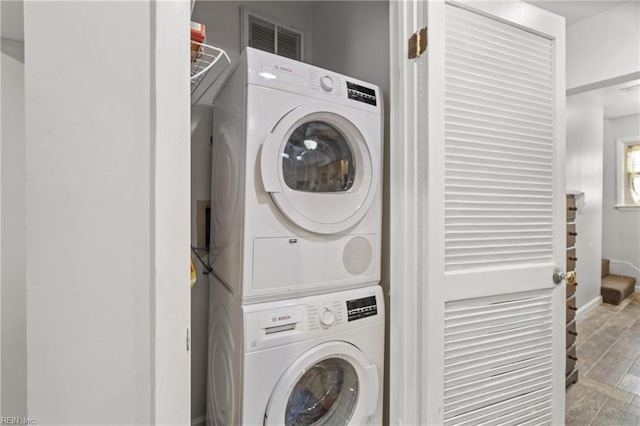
<point x="576" y="10"/>
<point x="618" y="103"/>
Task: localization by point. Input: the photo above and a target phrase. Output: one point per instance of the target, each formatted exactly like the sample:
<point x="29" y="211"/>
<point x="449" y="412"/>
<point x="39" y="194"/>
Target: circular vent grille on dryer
<point x="357" y="255"/>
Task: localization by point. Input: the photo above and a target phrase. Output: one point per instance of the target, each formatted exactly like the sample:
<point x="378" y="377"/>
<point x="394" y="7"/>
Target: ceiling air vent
<point x="266" y="34"/>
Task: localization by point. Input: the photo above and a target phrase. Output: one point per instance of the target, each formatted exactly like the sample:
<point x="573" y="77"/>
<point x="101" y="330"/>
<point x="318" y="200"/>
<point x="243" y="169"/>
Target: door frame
<point x="412" y="360"/>
<point x="407" y="237"/>
<point x="170" y="213"/>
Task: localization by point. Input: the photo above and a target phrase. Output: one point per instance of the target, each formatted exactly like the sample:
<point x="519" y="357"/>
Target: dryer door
<point x="332" y="383"/>
<point x="317" y="166"/>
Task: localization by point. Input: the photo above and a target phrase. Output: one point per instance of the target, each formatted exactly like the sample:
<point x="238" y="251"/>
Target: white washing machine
<point x="296" y="180"/>
<point x="316" y="360"/>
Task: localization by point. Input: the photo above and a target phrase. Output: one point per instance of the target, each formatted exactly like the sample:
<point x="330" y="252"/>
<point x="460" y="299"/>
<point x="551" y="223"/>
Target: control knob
<point x="326" y="83"/>
<point x="327" y="317"/>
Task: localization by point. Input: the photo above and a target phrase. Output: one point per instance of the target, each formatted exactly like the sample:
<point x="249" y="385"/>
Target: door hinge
<point x="188" y="341"/>
<point x="418" y="43"/>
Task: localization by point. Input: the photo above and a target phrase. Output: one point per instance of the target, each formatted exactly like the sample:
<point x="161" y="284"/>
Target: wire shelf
<point x="203" y="58"/>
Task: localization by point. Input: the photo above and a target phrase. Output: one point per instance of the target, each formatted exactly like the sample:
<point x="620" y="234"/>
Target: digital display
<point x="361" y="308"/>
<point x="361" y="93"/>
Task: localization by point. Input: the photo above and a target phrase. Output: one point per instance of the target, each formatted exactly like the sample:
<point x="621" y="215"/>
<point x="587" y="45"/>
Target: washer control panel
<point x="283" y="322"/>
<point x="361" y="308"/>
<point x="330" y="314"/>
<point x="325" y="315"/>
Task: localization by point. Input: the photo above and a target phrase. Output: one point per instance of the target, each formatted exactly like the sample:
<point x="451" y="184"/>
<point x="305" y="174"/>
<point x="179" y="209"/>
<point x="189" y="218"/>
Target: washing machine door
<point x="331" y="384"/>
<point x="317" y="166"/>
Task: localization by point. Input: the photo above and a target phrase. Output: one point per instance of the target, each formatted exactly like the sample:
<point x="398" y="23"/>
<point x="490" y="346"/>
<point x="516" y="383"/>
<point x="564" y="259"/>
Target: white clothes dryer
<point x="296" y="180"/>
<point x="316" y="360"/>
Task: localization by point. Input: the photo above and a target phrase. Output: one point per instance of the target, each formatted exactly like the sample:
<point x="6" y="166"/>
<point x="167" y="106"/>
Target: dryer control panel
<point x="325" y="83"/>
<point x="361" y="93"/>
<point x="273" y="71"/>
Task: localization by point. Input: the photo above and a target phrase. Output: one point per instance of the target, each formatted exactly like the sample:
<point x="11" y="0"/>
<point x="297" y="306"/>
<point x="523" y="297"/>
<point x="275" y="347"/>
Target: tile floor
<point x="608" y="389"/>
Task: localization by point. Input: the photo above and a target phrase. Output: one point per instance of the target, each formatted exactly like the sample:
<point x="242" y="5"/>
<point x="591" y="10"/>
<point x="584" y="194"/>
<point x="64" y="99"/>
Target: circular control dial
<point x="327" y="317"/>
<point x="326" y="83"/>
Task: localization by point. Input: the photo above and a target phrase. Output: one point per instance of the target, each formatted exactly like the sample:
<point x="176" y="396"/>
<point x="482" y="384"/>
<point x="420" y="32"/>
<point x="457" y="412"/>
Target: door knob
<point x="559" y="275"/>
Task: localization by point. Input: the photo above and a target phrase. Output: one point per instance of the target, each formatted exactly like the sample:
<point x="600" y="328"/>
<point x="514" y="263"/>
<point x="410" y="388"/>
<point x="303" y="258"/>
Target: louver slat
<point x="487" y="27"/>
<point x="507" y="45"/>
<point x="502" y="65"/>
<point x="471" y="73"/>
<point x="499" y="141"/>
<point x="544" y="128"/>
<point x="273" y="38"/>
<point x="261" y="34"/>
<point x="505" y="410"/>
<point x="498" y="355"/>
<point x="477" y="97"/>
<point x="288" y="44"/>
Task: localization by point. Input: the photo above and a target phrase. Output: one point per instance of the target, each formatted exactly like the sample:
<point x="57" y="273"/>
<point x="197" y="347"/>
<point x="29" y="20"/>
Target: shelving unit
<point x="572" y="283"/>
<point x="203" y="58"/>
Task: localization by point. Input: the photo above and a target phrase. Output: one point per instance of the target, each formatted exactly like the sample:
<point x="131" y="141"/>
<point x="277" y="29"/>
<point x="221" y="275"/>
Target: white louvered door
<point x="502" y="211"/>
<point x="492" y="326"/>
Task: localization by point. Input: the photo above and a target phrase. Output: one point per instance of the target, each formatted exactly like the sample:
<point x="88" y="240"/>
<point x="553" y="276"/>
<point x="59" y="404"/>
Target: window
<point x="633" y="171"/>
<point x="628" y="161"/>
<point x="266" y="34"/>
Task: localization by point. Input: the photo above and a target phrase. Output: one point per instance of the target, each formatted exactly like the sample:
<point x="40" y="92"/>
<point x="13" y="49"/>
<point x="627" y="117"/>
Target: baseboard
<point x="622" y="267"/>
<point x="199" y="421"/>
<point x="588" y="307"/>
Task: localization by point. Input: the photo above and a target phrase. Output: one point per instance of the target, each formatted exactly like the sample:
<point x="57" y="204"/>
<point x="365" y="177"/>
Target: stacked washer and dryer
<point x="296" y="332"/>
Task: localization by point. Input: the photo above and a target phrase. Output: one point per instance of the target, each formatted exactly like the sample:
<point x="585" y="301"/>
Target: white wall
<point x="222" y="20"/>
<point x="352" y="38"/>
<point x="621" y="229"/>
<point x="89" y="215"/>
<point x="605" y="47"/>
<point x="12" y="231"/>
<point x="584" y="174"/>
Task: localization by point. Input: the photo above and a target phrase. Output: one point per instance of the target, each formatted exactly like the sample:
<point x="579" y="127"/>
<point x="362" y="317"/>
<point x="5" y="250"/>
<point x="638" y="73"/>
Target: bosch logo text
<point x="283" y="69"/>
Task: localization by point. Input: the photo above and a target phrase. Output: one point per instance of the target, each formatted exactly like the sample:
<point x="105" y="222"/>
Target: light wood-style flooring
<point x="608" y="351"/>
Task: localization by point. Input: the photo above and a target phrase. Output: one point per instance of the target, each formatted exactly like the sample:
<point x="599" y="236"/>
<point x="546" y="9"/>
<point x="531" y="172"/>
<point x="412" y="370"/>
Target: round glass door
<point x="330" y="384"/>
<point x="327" y="393"/>
<point x="317" y="158"/>
<point x="318" y="169"/>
